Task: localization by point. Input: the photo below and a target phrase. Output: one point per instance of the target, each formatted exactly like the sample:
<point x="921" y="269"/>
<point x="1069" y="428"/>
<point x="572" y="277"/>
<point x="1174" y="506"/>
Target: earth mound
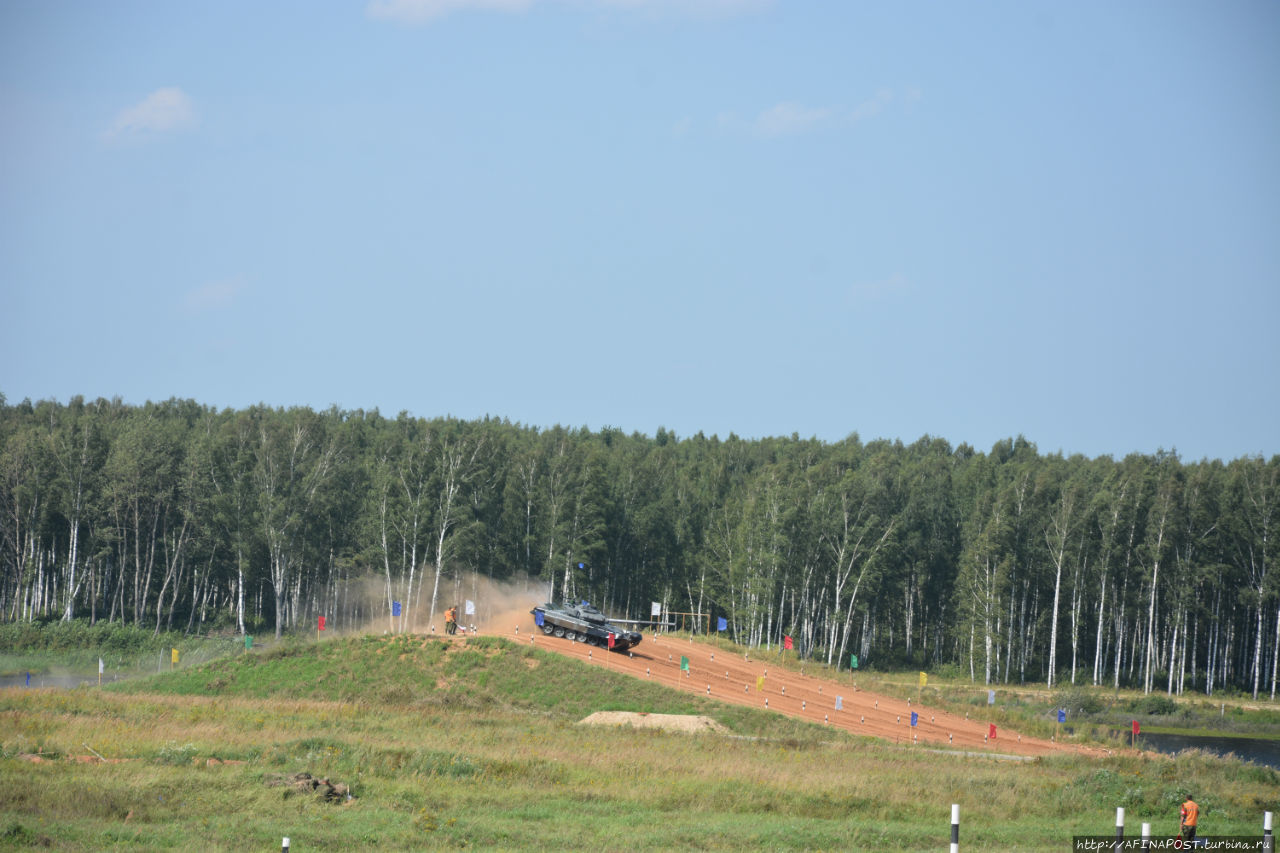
<point x="690" y="723"/>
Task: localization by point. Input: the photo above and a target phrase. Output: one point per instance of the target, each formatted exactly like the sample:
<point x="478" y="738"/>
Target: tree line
<point x="1006" y="566"/>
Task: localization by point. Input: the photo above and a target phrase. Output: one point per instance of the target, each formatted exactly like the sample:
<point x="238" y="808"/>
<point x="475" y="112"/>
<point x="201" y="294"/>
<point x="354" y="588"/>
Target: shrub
<point x="1155" y="704"/>
<point x="176" y="755"/>
<point x="949" y="672"/>
<point x="1079" y="700"/>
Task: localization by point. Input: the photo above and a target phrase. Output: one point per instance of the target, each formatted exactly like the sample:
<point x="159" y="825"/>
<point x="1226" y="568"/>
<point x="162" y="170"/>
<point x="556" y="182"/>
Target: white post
<point x="1146" y="835"/>
<point x="955" y="828"/>
<point x="1268" y="841"/>
<point x="1119" y="828"/>
<point x="285" y="848"/>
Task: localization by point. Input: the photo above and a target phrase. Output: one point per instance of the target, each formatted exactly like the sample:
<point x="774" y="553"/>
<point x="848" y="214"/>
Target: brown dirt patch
<point x="688" y="723"/>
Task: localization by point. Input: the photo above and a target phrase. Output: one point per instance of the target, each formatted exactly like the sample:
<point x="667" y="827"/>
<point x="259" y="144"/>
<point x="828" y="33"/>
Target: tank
<point x="584" y="624"/>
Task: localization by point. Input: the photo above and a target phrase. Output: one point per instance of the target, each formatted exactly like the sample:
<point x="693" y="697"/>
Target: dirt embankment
<point x="751" y="681"/>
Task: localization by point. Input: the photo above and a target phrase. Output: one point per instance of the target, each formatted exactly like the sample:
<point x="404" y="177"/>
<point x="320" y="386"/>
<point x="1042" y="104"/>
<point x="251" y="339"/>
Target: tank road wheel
<point x="548" y="628"/>
<point x="559" y="631"/>
<point x="570" y="636"/>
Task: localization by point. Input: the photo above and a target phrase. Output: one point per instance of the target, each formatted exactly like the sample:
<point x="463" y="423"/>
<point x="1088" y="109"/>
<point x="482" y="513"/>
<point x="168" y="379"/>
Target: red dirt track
<point x="731" y="678"/>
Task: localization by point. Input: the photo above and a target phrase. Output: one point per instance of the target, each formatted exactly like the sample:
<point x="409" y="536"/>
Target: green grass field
<point x="478" y="747"/>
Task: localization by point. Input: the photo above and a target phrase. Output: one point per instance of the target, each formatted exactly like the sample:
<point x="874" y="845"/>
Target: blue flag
<point x="537" y="618"/>
<point x="395" y="608"/>
<point x="915" y="718"/>
<point x="1062" y="715"/>
<point x="722" y="624"/>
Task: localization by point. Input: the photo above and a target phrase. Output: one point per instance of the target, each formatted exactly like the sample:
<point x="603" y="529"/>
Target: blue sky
<point x="967" y="220"/>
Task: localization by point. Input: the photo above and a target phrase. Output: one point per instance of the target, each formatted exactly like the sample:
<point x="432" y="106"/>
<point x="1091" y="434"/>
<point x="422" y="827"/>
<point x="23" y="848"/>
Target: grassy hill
<point x="477" y="746"/>
<point x="425" y="673"/>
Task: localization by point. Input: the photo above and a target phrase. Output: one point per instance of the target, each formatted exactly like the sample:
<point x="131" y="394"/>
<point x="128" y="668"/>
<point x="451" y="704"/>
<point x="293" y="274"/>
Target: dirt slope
<point x="732" y="678"/>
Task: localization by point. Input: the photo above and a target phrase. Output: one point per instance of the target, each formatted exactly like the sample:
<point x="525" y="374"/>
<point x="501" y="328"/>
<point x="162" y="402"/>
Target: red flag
<point x="321" y="623"/>
<point x="992" y="732"/>
<point x="610" y="639"/>
<point x="1135" y="727"/>
<point x="786" y="641"/>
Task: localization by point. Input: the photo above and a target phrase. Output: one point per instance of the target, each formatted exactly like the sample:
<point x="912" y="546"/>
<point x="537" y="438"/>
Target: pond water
<point x="1257" y="750"/>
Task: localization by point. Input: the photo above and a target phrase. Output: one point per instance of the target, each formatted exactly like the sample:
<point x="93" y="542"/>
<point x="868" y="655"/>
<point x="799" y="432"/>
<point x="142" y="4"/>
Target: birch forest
<point x="1003" y="566"/>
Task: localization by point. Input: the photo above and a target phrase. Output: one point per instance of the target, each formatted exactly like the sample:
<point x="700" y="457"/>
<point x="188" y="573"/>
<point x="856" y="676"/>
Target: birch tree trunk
<point x="1056" y="540"/>
<point x="74" y="457"/>
<point x="457" y="463"/>
<point x="1164" y="507"/>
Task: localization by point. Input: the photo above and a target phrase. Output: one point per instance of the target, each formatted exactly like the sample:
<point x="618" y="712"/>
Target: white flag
<point x="839" y="703"/>
<point x="656" y="610"/>
<point x="99" y="666"/>
<point x="471" y="607"/>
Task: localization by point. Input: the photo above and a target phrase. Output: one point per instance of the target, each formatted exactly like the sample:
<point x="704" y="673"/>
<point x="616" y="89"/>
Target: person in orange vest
<point x="451" y="620"/>
<point x="1190" y="815"/>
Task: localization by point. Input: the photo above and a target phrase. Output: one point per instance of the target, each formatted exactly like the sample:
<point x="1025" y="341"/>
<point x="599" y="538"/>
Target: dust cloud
<point x="499" y="605"/>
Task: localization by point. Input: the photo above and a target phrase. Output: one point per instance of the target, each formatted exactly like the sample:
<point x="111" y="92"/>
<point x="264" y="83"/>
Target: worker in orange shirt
<point x="1190" y="817"/>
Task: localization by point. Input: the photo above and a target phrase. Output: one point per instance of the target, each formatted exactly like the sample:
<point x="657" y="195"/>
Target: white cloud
<point x="164" y="110"/>
<point x="790" y="117"/>
<point x="422" y="11"/>
<point x="686" y="8"/>
<point x="213" y="296"/>
<point x="425" y="11"/>
<point x="873" y="106"/>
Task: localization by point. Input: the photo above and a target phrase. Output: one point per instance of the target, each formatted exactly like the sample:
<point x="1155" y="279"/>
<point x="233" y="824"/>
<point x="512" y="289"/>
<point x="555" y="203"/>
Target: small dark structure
<point x="305" y="783"/>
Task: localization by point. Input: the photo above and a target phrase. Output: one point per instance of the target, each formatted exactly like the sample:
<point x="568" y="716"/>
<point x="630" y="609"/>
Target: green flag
<point x="684" y="663"/>
<point x="853" y="661"/>
<point x="248" y="642"/>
